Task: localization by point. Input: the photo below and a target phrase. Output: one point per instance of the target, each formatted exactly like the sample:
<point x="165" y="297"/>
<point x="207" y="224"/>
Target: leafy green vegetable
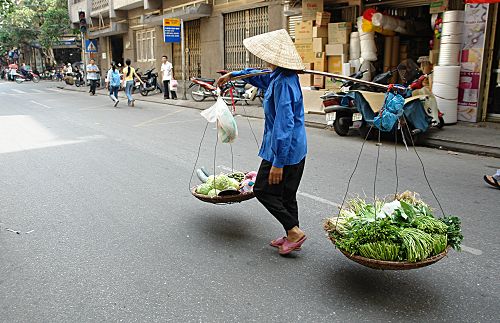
<point x="439" y="243"/>
<point x="454" y="231"/>
<point x="213" y="193"/>
<point x="382" y="250"/>
<point x="203" y="189"/>
<point x="417" y="244"/>
<point x="429" y="225"/>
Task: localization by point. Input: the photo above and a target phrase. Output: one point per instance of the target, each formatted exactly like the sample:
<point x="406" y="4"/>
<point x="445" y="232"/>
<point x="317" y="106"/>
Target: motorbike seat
<point x="206" y="80"/>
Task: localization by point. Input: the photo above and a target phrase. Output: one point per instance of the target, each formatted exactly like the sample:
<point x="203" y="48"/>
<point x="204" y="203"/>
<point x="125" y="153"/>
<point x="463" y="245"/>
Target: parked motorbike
<point x="78" y="78"/>
<point x="233" y="91"/>
<point x="26" y="76"/>
<point x="347" y="109"/>
<point x="150" y="80"/>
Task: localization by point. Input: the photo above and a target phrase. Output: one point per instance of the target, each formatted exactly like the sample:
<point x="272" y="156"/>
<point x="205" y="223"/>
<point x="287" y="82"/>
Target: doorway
<point x="116" y="43"/>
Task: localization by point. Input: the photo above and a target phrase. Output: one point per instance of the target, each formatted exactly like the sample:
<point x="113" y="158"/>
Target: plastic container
<point x="449" y="75"/>
<point x="445" y="91"/>
<point x="453" y="16"/>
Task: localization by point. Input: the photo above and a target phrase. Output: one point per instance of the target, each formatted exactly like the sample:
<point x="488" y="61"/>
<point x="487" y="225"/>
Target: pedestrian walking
<point x="284" y="146"/>
<point x="167" y="73"/>
<point x="493" y="180"/>
<point x="113" y="82"/>
<point x="92" y="76"/>
<point x="129" y="73"/>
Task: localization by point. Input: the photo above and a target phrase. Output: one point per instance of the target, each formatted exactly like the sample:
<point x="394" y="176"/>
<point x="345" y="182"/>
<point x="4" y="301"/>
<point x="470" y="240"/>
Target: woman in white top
<point x="167" y="72"/>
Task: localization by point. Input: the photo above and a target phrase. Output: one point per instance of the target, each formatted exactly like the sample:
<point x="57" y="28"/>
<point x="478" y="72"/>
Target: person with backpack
<point x="113" y="82"/>
<point x="129" y="74"/>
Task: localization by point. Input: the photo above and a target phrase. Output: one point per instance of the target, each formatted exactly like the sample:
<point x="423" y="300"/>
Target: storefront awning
<point x="116" y="28"/>
<point x="66" y="43"/>
<point x="192" y="12"/>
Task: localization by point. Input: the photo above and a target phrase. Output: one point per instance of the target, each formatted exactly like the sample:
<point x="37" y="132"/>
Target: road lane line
<point x="473" y="251"/>
<point x="18" y="91"/>
<point x="157" y="118"/>
<point x="41" y="104"/>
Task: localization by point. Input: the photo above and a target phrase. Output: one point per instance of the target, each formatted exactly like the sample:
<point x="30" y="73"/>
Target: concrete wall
<point x="212" y="45"/>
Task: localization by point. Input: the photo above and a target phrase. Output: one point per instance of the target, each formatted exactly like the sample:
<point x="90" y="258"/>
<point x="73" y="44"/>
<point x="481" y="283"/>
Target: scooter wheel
<point x="19" y="80"/>
<point x="197" y="93"/>
<point x="342" y="123"/>
<point x="144" y="92"/>
<point x="36" y="78"/>
<point x="226" y="96"/>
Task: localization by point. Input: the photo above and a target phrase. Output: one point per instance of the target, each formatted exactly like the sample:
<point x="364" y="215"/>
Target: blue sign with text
<point x="172" y="30"/>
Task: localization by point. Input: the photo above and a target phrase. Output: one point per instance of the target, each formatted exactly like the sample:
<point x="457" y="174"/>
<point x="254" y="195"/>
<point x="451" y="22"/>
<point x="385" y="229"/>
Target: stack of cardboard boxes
<point x="311" y="38"/>
<point x="337" y="49"/>
<point x="323" y="46"/>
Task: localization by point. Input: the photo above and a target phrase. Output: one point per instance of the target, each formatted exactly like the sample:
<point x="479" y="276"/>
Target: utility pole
<point x="183" y="60"/>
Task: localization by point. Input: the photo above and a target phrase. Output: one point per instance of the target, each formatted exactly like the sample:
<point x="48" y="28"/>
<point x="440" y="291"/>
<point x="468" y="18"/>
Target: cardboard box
<point x="304" y="41"/>
<point x="303" y="30"/>
<point x="306" y="52"/>
<point x="306" y="80"/>
<point x="320" y="62"/>
<point x="339" y="33"/>
<point x="337" y="49"/>
<point x="319" y="81"/>
<point x="319" y="44"/>
<point x="335" y="64"/>
<point x="310" y="8"/>
<point x="320" y="32"/>
<point x="323" y="18"/>
<point x="434" y="56"/>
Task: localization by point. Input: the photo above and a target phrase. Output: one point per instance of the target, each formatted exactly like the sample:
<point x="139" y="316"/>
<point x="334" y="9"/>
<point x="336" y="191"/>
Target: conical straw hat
<point x="275" y="47"/>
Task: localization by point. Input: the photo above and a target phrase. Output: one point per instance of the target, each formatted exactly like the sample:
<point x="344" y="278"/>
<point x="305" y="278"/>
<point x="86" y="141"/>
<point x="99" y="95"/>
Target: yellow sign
<point x="171" y="22"/>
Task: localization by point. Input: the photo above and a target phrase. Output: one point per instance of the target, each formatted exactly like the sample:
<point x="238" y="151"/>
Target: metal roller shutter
<point x="193" y="48"/>
<point x="238" y="26"/>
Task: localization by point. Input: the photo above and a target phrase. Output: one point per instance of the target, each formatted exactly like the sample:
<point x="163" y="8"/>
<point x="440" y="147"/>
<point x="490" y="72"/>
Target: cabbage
<point x="203" y="189"/>
<point x="234" y="183"/>
<point x="213" y="193"/>
<point x="222" y="182"/>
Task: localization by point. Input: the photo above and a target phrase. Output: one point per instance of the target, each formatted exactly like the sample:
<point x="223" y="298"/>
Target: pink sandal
<point x="288" y="246"/>
<point x="279" y="242"/>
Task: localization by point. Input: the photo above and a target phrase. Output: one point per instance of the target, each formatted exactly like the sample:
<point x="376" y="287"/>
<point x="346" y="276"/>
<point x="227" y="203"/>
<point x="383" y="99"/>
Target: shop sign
<point x="472" y="61"/>
<point x="438" y="6"/>
<point x="172" y="30"/>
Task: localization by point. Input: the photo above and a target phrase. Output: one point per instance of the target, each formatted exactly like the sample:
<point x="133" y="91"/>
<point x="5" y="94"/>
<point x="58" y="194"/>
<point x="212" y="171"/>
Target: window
<point x="145" y="43"/>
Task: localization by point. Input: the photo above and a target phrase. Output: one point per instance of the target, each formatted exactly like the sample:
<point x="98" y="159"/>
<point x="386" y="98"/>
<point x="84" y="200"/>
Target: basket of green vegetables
<point x="229" y="188"/>
<point x="397" y="235"/>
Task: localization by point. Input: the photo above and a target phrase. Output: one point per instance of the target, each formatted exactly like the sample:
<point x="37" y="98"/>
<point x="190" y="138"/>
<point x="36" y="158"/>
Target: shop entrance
<point x="493" y="106"/>
<point x="116" y="43"/>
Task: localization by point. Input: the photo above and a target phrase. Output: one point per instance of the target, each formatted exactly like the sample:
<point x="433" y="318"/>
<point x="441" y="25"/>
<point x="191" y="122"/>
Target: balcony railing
<point x="99" y="4"/>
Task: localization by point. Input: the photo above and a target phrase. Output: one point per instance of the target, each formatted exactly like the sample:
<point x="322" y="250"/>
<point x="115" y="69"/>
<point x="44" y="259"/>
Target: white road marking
<point x="157" y="118"/>
<point x="473" y="251"/>
<point x="310" y="196"/>
<point x="41" y="104"/>
<point x="38" y="91"/>
<point x="18" y="91"/>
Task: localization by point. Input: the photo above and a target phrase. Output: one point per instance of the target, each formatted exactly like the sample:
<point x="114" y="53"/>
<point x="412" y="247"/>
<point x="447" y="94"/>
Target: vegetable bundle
<point x="402" y="230"/>
<point x="234" y="183"/>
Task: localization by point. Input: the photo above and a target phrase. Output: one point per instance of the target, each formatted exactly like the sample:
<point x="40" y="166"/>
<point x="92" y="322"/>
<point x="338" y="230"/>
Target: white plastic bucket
<point x="453" y="15"/>
<point x="444" y="91"/>
<point x="449" y="75"/>
<point x="451" y="28"/>
<point x="449" y="108"/>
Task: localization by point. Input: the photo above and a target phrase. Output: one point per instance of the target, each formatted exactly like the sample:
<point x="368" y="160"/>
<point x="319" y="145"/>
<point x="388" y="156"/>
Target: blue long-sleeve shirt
<point x="284" y="141"/>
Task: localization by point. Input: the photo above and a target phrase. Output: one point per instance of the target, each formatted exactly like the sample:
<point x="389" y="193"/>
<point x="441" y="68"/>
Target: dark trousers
<point x="93" y="85"/>
<point x="280" y="200"/>
<point x="166" y="91"/>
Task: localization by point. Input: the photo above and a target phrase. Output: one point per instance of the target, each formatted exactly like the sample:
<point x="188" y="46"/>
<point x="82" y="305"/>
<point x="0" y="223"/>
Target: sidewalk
<point x="478" y="139"/>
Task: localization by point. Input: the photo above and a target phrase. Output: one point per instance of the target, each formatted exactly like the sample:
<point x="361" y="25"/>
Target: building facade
<point x="213" y="31"/>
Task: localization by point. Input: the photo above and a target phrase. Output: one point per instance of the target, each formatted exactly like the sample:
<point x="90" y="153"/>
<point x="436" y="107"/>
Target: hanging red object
<point x="368" y="14"/>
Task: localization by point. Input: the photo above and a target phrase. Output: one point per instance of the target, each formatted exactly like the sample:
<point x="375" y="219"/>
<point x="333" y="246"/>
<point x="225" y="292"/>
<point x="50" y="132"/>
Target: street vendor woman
<point x="284" y="145"/>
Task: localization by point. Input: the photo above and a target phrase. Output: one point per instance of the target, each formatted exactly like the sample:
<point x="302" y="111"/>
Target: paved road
<point x="109" y="231"/>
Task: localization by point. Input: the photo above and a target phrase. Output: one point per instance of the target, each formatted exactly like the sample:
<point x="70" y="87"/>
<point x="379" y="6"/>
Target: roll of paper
<point x="452" y="28"/>
<point x="449" y="54"/>
<point x="355" y="46"/>
<point x="346" y="69"/>
<point x="388" y="52"/>
<point x="452" y="39"/>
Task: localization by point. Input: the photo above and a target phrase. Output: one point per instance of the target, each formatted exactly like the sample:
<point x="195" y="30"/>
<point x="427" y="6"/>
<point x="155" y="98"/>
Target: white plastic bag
<point x="226" y="124"/>
<point x="173" y="85"/>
